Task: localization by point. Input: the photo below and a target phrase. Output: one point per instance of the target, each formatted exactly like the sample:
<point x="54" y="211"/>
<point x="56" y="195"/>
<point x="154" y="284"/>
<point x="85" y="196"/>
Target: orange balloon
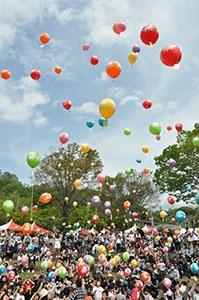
<point x="176" y="232"/>
<point x="116" y="28"/>
<point x="44" y="38"/>
<point x="127" y="204"/>
<point x="58" y="70"/>
<point x="113" y="69"/>
<point x="45" y="198"/>
<point x="5" y="74"/>
<point x="145" y="276"/>
<point x="146" y="171"/>
<point x="169" y="127"/>
<point x="26" y="229"/>
<point x="145" y="149"/>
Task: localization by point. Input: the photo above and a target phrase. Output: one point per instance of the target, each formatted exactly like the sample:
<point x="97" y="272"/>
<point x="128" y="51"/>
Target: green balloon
<point x="8" y="206"/>
<point x="91" y="260"/>
<point x="44" y="265"/>
<point x="125" y="256"/>
<point x="33" y="159"/>
<point x="66" y="199"/>
<point x="128" y="172"/>
<point x="62" y="272"/>
<point x="127" y="131"/>
<point x="195" y="141"/>
<point x="155" y="128"/>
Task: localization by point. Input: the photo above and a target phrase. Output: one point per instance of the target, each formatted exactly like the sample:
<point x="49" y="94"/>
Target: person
<point x="194" y="291"/>
<point x="20" y="293"/>
<point x="78" y="293"/>
<point x="97" y="291"/>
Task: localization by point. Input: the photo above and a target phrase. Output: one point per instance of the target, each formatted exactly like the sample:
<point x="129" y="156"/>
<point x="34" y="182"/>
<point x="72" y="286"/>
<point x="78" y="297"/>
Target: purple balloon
<point x="96" y="200"/>
<point x="9" y="268"/>
<point x="86" y="258"/>
<point x="136" y="49"/>
<point x="107" y="212"/>
<point x="107" y="204"/>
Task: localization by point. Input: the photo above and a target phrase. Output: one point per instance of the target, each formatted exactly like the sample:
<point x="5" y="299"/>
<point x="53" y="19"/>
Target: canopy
<point x="11" y="225"/>
<point x="36" y="228"/>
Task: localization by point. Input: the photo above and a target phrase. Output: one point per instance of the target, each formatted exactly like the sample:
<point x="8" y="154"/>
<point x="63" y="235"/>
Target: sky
<point x="32" y="116"/>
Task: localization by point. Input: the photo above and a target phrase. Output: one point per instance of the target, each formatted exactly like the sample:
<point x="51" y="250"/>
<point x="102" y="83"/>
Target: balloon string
<point x="151" y="44"/>
<point x="32" y="192"/>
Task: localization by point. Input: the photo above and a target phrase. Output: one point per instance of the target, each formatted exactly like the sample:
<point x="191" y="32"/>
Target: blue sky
<point x="31" y="112"/>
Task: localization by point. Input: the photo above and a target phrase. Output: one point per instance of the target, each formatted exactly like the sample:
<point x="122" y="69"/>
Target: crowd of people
<point x="133" y="265"/>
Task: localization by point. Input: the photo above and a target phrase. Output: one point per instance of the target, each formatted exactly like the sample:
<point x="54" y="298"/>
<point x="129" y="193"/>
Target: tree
<point x="181" y="178"/>
<point x="58" y="171"/>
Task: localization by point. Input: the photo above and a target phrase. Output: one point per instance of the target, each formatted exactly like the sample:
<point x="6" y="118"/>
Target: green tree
<point x="181" y="179"/>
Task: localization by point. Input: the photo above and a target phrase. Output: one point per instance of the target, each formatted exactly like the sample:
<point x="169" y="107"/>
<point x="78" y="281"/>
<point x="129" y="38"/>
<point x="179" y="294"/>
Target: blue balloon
<point x="103" y="122"/>
<point x="51" y="275"/>
<point x="90" y="123"/>
<point x="194" y="268"/>
<point x="138" y="160"/>
<point x="197" y="198"/>
<point x="189" y="189"/>
<point x="31" y="248"/>
<point x="2" y="269"/>
<point x="180" y="216"/>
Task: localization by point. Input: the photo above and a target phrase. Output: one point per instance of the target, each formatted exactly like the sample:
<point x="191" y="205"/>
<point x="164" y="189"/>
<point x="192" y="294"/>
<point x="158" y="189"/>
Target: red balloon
<point x="67" y="104"/>
<point x="35" y="207"/>
<point x="178" y="127"/>
<point x="134" y="215"/>
<point x="86" y="47"/>
<point x="35" y="74"/>
<point x="171" y="200"/>
<point x="11" y="276"/>
<point x="110" y="246"/>
<point x="170" y="55"/>
<point x="139" y="285"/>
<point x="147" y="104"/>
<point x="94" y="60"/>
<point x="149" y="34"/>
<point x="95" y="218"/>
<point x="83" y="269"/>
<point x="64" y="137"/>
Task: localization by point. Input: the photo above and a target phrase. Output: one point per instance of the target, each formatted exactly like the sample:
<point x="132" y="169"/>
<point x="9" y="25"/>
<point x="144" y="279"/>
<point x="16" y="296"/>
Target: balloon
<point x="125" y="256"/>
<point x="107" y="204"/>
<point x="145" y="171"/>
<point x="155" y="128"/>
<point x="171" y="200"/>
<point x="94" y="60"/>
<point x="64" y="137"/>
<point x="145" y="276"/>
<point x="113" y="69"/>
<point x="62" y="272"/>
<point x="132" y="58"/>
<point x="195" y="141"/>
<point x="170" y="55"/>
<point x="169" y="240"/>
<point x="101" y="249"/>
<point x="26" y="228"/>
<point x="117" y="259"/>
<point x="176" y="232"/>
<point x="35" y="74"/>
<point x="45" y="198"/>
<point x="107" y="212"/>
<point x="147" y="104"/>
<point x="110" y="246"/>
<point x="194" y="268"/>
<point x="31" y="248"/>
<point x="33" y="159"/>
<point x="67" y="104"/>
<point x="95" y="218"/>
<point x="102" y="259"/>
<point x="35" y="207"/>
<point x="173" y="220"/>
<point x="51" y="275"/>
<point x="139" y="285"/>
<point x="180" y="216"/>
<point x="169" y="127"/>
<point x="197" y="198"/>
<point x="75" y="203"/>
<point x="103" y="122"/>
<point x="145" y="149"/>
<point x="171" y="162"/>
<point x="127" y="131"/>
<point x="91" y="260"/>
<point x="127" y="205"/>
<point x="85" y="47"/>
<point x="136" y="49"/>
<point x="83" y="269"/>
<point x="149" y="34"/>
<point x="96" y="200"/>
<point x="119" y="27"/>
<point x="165" y="249"/>
<point x="5" y="74"/>
<point x="163" y="215"/>
<point x="77" y="183"/>
<point x="85" y="148"/>
<point x="58" y="70"/>
<point x="8" y="206"/>
<point x="2" y="269"/>
<point x="127" y="272"/>
<point x="90" y="123"/>
<point x="167" y="283"/>
<point x="44" y="38"/>
<point x="107" y="108"/>
<point x="24" y="210"/>
<point x="24" y="260"/>
<point x="178" y="127"/>
<point x="44" y="265"/>
<point x="11" y="276"/>
<point x="101" y="177"/>
<point x="134" y="263"/>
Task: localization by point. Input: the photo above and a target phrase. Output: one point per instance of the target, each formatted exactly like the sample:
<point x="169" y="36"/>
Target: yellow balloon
<point x="145" y="149"/>
<point x="117" y="259"/>
<point x="163" y="214"/>
<point x="146" y="213"/>
<point x="134" y="263"/>
<point x="107" y="108"/>
<point x="50" y="264"/>
<point x="101" y="249"/>
<point x="169" y="239"/>
<point x="85" y="148"/>
<point x="89" y="203"/>
<point x="74" y="203"/>
<point x="157" y="238"/>
<point x="132" y="58"/>
<point x="58" y="265"/>
<point x="80" y="260"/>
<point x="77" y="183"/>
<point x="112" y="262"/>
<point x="71" y="232"/>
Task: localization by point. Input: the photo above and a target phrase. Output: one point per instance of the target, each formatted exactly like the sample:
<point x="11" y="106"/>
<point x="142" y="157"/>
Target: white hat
<point x="182" y="289"/>
<point x="74" y="286"/>
<point x="43" y="293"/>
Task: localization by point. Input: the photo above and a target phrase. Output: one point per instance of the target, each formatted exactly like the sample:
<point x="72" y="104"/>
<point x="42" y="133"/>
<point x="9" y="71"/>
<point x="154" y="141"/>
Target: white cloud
<point x="86" y="108"/>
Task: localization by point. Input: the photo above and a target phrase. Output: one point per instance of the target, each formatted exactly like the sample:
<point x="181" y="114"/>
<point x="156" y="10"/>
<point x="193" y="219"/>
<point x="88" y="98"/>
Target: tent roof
<point x="36" y="228"/>
<point x="11" y="225"/>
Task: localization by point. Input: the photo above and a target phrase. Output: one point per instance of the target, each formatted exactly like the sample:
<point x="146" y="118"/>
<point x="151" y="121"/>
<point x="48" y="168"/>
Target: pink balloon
<point x="48" y="254"/>
<point x="101" y="177"/>
<point x="86" y="47"/>
<point x="64" y="137"/>
<point x="102" y="259"/>
<point x="173" y="220"/>
<point x="167" y="283"/>
<point x="24" y="210"/>
<point x="24" y="260"/>
<point x="169" y="293"/>
<point x="112" y="187"/>
<point x="127" y="272"/>
<point x="165" y="249"/>
<point x="153" y="205"/>
<point x="121" y="27"/>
